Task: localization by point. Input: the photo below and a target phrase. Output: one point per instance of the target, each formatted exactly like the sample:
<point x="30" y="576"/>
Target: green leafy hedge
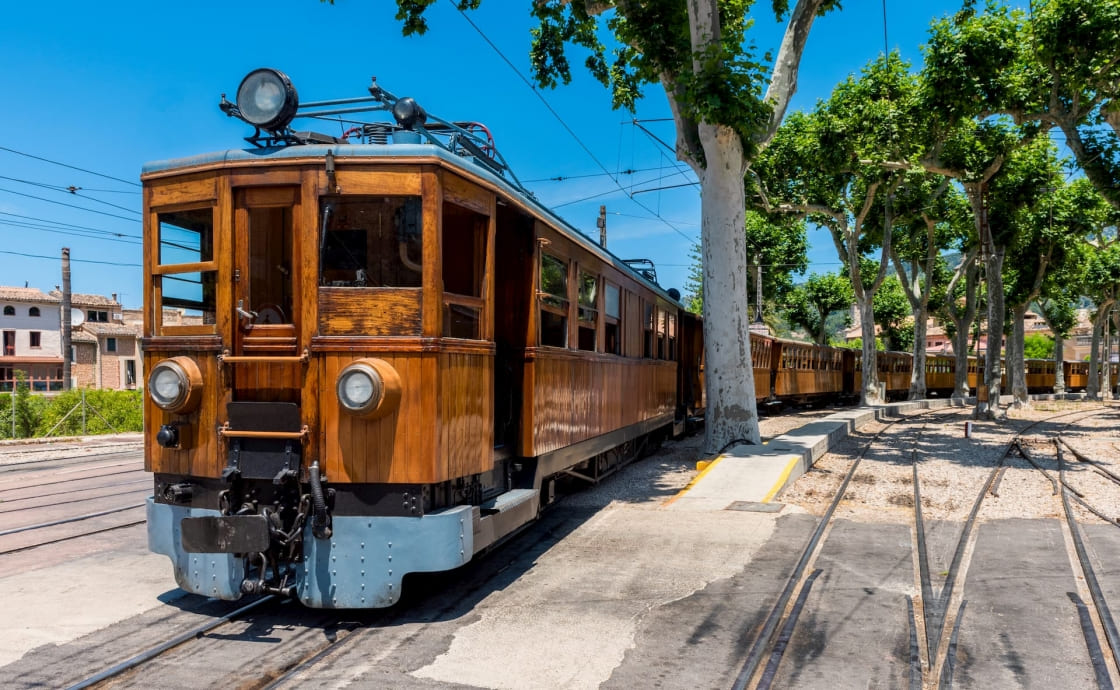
<point x="36" y="415"/>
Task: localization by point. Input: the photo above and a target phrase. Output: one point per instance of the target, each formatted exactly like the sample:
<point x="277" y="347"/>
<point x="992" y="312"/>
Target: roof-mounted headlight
<point x="267" y="99"/>
<point x="175" y="385"/>
<point x="369" y="388"/>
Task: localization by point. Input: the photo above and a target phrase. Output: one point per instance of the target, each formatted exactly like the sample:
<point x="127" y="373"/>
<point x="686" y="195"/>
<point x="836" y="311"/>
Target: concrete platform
<point x="749" y="474"/>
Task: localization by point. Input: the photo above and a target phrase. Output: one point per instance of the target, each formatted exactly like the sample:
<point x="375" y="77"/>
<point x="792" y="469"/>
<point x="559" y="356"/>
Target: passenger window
<point x="464" y="266"/>
<point x="588" y="310"/>
<point x="371" y="242"/>
<point x="649" y="323"/>
<point x="553" y="301"/>
<point x="612" y="318"/>
<point x="186" y="239"/>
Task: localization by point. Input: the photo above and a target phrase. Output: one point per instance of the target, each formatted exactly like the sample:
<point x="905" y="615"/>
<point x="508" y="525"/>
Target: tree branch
<point x="783" y="80"/>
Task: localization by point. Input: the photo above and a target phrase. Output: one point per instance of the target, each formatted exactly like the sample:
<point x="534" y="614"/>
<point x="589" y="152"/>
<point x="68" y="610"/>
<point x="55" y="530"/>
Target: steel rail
<point x="770" y="626"/>
<point x="1108" y="623"/>
<point x="4" y="466"/>
<point x="153" y="652"/>
<point x="941" y="605"/>
<point x="10" y="501"/>
<point x="71" y="537"/>
<point x="1092" y="642"/>
<point x="64" y="521"/>
<point x="73" y="479"/>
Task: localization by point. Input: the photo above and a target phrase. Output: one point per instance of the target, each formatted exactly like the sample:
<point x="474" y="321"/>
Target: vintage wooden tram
<point x="389" y="349"/>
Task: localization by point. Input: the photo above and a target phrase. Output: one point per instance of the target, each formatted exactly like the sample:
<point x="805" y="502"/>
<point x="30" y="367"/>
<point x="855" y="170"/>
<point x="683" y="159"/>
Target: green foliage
<point x="36" y="415"/>
<point x="694" y="286"/>
<point x="811" y="303"/>
<point x="1038" y="346"/>
<point x="857" y="344"/>
<point x="1054" y="67"/>
<point x="779" y="242"/>
<point x="123" y="410"/>
<point x="893" y="315"/>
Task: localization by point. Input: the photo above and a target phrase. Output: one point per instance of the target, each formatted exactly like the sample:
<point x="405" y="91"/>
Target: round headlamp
<point x="369" y="388"/>
<point x="267" y="99"/>
<point x="175" y="385"/>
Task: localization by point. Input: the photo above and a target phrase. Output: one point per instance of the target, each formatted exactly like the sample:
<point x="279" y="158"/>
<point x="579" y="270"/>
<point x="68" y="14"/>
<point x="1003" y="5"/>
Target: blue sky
<point x="106" y="87"/>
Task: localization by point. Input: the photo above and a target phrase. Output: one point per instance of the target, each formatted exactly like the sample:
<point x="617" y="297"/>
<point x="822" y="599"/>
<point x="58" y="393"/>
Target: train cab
<point x="378" y="348"/>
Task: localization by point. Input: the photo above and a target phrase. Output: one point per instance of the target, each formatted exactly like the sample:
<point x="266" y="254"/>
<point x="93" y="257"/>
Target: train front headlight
<point x="175" y="385"/>
<point x="369" y="388"/>
<point x="267" y="99"/>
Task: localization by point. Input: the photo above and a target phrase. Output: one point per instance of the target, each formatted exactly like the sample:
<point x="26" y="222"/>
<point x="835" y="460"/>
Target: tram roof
<point x="403" y="151"/>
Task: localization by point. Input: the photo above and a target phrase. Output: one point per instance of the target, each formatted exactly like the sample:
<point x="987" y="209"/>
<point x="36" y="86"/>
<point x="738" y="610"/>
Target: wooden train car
<point x="389" y="351"/>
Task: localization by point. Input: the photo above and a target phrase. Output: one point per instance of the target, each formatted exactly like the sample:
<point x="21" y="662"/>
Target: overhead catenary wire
<point x="80" y="208"/>
<point x="72" y="167"/>
<point x="73" y="260"/>
<point x="560" y="119"/>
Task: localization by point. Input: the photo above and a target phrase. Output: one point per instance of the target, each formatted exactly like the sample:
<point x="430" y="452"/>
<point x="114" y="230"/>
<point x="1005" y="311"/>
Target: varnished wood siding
<point x="442" y="429"/>
<point x="381" y="311"/>
<point x="574" y="398"/>
<point x="200" y="452"/>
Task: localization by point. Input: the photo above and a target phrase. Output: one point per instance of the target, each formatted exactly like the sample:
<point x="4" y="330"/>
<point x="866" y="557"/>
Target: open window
<point x="464" y="268"/>
<point x="553" y="301"/>
<point x="612" y="319"/>
<point x="186" y="274"/>
<point x="588" y="310"/>
<point x="649" y="326"/>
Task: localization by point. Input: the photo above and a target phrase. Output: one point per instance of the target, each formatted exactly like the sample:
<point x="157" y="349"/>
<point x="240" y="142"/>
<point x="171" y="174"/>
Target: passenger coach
<point x="391" y="351"/>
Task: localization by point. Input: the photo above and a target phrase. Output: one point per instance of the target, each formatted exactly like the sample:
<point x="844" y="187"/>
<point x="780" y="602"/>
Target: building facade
<point x="30" y="334"/>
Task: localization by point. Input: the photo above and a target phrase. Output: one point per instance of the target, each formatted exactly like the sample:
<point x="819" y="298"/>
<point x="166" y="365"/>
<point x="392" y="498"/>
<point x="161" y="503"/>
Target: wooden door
<point x="266" y="294"/>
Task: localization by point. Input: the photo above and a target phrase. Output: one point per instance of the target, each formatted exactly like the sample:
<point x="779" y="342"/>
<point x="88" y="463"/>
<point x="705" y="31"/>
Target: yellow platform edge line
<point x="780" y="484"/>
<point x="697" y="478"/>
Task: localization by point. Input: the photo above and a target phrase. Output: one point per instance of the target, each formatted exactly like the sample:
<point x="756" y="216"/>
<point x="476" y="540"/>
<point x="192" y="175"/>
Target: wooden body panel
<point x="200" y="452"/>
<point x="442" y="429"/>
<point x="576" y="397"/>
<point x="761" y="361"/>
<point x="380" y="311"/>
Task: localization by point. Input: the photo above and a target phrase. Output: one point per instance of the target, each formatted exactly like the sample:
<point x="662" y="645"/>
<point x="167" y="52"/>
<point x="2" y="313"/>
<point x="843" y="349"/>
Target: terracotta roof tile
<point x="18" y="294"/>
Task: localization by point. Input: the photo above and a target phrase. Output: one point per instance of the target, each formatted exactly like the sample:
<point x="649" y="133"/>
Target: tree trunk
<point x="963" y="323"/>
<point x="1093" y="387"/>
<point x="1016" y="364"/>
<point x="1059" y="369"/>
<point x="992" y="367"/>
<point x="729" y="378"/>
<point x="918" y="375"/>
<point x="870" y="394"/>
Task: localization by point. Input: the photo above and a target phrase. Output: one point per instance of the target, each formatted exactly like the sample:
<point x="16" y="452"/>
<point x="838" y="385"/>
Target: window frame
<point x="544" y="306"/>
<point x="160" y="270"/>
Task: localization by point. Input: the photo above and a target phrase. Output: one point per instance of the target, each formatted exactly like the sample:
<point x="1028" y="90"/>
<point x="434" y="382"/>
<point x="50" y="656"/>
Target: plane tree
<point x="726" y="105"/>
<point x="826" y="166"/>
<point x="1057" y="67"/>
<point x="931" y="217"/>
<point x="812" y="302"/>
<point x="1047" y="251"/>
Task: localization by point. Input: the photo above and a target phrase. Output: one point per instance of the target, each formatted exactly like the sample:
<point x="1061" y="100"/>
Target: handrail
<point x="226" y="432"/>
<point x="226" y="358"/>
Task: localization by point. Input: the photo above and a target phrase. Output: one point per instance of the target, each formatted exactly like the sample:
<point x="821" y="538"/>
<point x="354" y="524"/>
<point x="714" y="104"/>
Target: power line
<point x="60" y="224"/>
<point x="80" y="208"/>
<point x="72" y="167"/>
<point x="68" y="233"/>
<point x="560" y="119"/>
<point x="80" y="261"/>
<point x="68" y="190"/>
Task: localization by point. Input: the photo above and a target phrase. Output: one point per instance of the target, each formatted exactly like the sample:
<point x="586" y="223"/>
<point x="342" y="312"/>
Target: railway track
<point x="935" y="617"/>
<point x="37" y="504"/>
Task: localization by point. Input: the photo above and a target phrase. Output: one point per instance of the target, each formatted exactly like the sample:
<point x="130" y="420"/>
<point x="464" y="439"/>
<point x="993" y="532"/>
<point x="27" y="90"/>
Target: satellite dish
<point x="77" y="317"/>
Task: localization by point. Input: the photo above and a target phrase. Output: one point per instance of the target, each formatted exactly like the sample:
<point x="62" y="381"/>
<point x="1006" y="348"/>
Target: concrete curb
<point x="756" y="474"/>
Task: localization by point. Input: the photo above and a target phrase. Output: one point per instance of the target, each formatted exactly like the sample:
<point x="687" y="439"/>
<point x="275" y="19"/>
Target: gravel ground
<point x="16" y="452"/>
<point x="952" y="468"/>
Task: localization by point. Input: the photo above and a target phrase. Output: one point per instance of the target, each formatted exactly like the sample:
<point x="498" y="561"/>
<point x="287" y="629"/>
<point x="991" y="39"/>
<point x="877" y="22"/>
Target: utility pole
<point x="66" y="364"/>
<point x="602" y="223"/>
